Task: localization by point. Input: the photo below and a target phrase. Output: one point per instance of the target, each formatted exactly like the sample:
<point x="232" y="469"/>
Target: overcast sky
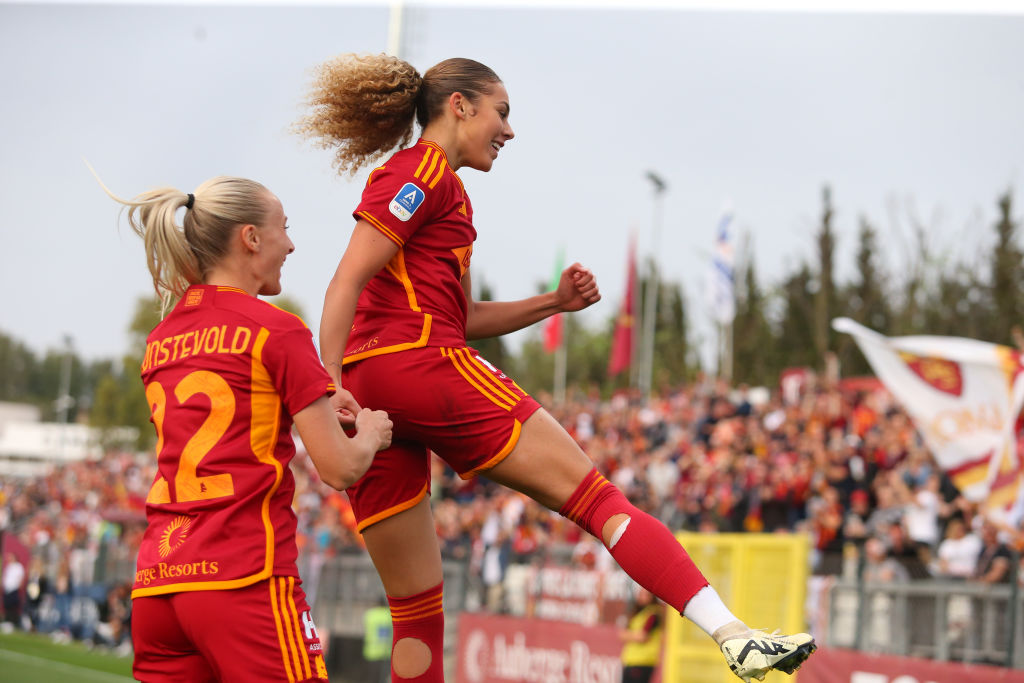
<point x="897" y="112"/>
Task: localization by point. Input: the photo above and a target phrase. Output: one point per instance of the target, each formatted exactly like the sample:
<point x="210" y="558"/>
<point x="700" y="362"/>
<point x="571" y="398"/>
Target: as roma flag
<point x="622" y="338"/>
<point x="964" y="397"/>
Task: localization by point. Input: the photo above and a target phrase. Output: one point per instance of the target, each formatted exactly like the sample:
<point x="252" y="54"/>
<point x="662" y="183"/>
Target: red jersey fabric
<point x="417" y="299"/>
<point x="224" y="372"/>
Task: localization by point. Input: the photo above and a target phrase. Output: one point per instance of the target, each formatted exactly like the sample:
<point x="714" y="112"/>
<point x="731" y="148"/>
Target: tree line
<point x="936" y="290"/>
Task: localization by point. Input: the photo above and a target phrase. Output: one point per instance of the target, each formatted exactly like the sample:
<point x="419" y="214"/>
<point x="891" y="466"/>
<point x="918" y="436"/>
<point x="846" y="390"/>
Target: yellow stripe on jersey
<point x="388" y="232"/>
<point x="430" y="169"/>
<point x="396" y="266"/>
<point x="289" y="625"/>
<point x="426" y="155"/>
<point x="265" y="423"/>
<point x="440" y="173"/>
<point x="425" y="607"/>
<point x="300" y="643"/>
<point x="496" y="400"/>
<point x="369" y="178"/>
<point x="486" y="377"/>
<point x="281" y="642"/>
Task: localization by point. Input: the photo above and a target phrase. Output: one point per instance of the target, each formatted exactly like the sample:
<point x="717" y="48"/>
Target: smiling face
<point x="485" y="129"/>
<point x="274" y="247"/>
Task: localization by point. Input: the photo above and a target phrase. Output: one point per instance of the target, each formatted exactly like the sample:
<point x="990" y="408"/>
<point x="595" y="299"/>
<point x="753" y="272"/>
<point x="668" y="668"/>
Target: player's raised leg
<point x="550" y="467"/>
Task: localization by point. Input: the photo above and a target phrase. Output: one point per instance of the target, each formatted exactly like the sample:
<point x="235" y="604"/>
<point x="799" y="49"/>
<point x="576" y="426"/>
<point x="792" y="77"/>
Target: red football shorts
<point x="263" y="632"/>
<point x="446" y="400"/>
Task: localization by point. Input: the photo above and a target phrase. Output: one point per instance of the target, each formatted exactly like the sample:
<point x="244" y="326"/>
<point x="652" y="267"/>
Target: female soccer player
<point x="217" y="595"/>
<point x="397" y="316"/>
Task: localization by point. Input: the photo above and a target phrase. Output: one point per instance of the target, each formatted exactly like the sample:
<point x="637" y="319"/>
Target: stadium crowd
<point x="842" y="464"/>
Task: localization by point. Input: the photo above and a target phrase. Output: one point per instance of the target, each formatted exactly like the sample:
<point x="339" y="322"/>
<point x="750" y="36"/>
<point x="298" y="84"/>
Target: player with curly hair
<point x="396" y="320"/>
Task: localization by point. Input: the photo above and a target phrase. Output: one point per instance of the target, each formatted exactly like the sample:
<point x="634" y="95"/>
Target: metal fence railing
<point x="935" y="619"/>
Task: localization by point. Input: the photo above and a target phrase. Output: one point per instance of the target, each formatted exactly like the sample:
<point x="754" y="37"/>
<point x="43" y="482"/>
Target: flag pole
<point x="651" y="294"/>
<point x="395" y="23"/>
<point x="723" y="297"/>
<point x="561" y="358"/>
<point x="554" y="336"/>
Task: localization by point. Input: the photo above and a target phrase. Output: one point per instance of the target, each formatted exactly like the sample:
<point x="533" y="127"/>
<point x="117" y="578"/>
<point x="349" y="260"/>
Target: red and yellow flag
<point x="622" y="338"/>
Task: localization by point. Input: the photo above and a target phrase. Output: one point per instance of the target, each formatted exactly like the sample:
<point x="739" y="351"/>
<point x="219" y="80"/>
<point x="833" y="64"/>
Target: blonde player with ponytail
<point x="217" y="595"/>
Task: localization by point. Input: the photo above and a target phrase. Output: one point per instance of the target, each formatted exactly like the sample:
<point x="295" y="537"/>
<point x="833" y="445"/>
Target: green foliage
<point x="287" y="303"/>
<point x="864" y="300"/>
<point x="1006" y="282"/>
<point x="493" y="349"/>
<point x="825" y="300"/>
<point x="754" y="352"/>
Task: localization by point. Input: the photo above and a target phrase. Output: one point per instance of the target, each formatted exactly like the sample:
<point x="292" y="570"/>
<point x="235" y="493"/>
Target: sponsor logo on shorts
<point x="308" y="626"/>
<point x="321" y="668"/>
<point x="490" y="367"/>
<point x="405" y="203"/>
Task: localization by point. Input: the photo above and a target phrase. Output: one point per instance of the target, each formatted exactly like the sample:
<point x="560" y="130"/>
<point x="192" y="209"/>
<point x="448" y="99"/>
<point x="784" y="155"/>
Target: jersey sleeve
<point x="398" y="200"/>
<point x="295" y="369"/>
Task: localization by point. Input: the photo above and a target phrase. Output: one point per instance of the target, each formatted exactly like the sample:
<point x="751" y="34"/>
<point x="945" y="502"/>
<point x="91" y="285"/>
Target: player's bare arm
<point x="577" y="289"/>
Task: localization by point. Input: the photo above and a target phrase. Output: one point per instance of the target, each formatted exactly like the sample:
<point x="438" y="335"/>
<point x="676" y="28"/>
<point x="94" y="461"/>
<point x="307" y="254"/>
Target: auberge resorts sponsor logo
<point x="174" y="535"/>
<point x="184" y="570"/>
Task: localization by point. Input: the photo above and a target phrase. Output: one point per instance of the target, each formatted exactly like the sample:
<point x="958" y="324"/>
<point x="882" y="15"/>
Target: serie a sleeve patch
<point x="405" y="203"/>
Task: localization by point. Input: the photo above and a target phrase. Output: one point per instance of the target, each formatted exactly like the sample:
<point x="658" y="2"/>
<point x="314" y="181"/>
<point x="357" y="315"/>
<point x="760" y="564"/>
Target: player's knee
<point x="613" y="529"/>
<point x="411" y="657"/>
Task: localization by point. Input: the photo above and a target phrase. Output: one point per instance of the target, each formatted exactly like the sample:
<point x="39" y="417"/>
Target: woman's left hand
<point x="577" y="289"/>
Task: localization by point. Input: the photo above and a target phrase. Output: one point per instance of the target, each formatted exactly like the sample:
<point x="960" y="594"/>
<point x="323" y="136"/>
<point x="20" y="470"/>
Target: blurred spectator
<point x="994" y="560"/>
<point x="827" y="526"/>
<point x="855" y="524"/>
<point x="880" y="566"/>
<point x="920" y="496"/>
<point x="958" y="552"/>
<point x="641" y="638"/>
<point x="495" y="562"/>
<point x="12" y="579"/>
<point x="37" y="591"/>
<point x="837" y="466"/>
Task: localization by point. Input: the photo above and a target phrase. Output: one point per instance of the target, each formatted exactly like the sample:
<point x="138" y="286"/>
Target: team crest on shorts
<point x="405" y="203"/>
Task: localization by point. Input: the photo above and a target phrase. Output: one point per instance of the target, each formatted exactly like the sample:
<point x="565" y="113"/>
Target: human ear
<point x="250" y="237"/>
<point x="457" y="102"/>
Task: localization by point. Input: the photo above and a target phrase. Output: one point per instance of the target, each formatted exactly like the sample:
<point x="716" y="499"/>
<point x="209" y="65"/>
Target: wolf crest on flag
<point x="964" y="397"/>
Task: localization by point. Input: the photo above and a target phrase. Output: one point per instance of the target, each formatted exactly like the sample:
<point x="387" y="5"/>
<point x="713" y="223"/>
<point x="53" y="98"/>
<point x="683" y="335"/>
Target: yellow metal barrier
<point x="762" y="578"/>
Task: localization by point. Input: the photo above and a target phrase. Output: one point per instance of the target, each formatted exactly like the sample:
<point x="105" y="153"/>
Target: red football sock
<point x="647" y="550"/>
<point x="420" y="616"/>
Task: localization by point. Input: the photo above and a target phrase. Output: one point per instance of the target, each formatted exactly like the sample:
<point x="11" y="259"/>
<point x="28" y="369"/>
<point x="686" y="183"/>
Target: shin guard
<point x="647" y="550"/>
<point x="421" y="617"/>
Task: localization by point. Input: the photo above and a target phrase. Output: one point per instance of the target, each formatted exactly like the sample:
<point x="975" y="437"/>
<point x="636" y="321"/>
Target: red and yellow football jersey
<point x="224" y="373"/>
<point x="417" y="201"/>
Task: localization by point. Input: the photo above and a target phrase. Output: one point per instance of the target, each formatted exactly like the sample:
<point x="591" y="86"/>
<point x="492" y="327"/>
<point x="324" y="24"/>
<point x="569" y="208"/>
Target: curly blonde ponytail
<point x="363" y="106"/>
